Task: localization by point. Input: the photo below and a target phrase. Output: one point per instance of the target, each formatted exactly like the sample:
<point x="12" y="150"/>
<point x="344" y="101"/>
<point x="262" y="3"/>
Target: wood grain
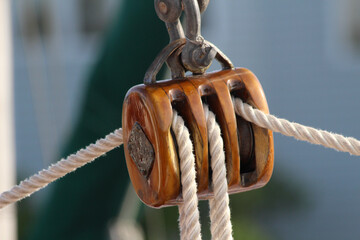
<point x="152" y="106"/>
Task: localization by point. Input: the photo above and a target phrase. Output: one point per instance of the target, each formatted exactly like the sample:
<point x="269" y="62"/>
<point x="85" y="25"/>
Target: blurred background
<point x="305" y="53"/>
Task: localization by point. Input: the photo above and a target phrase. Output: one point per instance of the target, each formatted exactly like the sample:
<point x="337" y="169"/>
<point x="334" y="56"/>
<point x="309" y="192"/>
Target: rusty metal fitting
<point x="168" y="10"/>
<point x="171" y="53"/>
<point x="197" y="56"/>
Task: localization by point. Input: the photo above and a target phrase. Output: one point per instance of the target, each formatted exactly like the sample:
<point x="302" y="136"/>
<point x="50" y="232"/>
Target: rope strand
<point x="221" y="228"/>
<point x="298" y="131"/>
<point x="190" y="228"/>
<point x="61" y="168"/>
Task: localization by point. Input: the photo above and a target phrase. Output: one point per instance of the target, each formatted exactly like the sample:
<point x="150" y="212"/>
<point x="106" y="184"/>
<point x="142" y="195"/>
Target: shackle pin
<point x="195" y="54"/>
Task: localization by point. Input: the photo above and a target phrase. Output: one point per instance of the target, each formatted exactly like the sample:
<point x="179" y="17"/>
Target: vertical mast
<point x="7" y="138"/>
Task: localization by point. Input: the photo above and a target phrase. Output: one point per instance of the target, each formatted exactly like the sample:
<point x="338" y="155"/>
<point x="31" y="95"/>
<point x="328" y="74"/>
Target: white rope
<point x="189" y="226"/>
<point x="221" y="228"/>
<point x="189" y="222"/>
<point x="309" y="134"/>
<point x="61" y="168"/>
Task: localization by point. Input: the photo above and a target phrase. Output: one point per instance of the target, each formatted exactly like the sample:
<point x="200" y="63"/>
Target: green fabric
<point x="83" y="203"/>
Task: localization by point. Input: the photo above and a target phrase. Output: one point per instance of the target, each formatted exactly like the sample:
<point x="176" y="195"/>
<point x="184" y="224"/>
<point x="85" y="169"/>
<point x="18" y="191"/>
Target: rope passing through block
<point x="151" y="150"/>
<point x="113" y="140"/>
<point x="298" y="131"/>
<point x="221" y="227"/>
<point x="189" y="213"/>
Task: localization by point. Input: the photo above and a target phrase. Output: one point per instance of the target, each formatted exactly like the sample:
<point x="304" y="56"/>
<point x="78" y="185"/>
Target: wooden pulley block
<point x="151" y="148"/>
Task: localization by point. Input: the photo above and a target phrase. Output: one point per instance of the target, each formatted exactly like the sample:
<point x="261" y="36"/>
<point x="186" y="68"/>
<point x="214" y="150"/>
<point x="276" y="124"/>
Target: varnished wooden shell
<point x="152" y="106"/>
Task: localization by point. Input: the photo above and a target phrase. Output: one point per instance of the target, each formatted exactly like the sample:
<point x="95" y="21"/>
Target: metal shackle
<point x="151" y="148"/>
<point x="196" y="56"/>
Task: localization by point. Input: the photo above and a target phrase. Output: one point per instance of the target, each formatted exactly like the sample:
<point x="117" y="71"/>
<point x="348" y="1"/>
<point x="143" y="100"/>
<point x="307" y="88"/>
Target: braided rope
<point x="304" y="133"/>
<point x="61" y="168"/>
<point x="221" y="228"/>
<point x="190" y="228"/>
